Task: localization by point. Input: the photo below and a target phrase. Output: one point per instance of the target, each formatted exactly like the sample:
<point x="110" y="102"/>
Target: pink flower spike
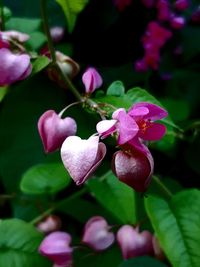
<point x="134" y="244"/>
<point x="56" y="247"/>
<point x="181" y="5"/>
<point x="13" y="67"/>
<point x="54" y="130"/>
<point x="92" y="80"/>
<point x="106" y="127"/>
<point x="134" y="167"/>
<point x="96" y="234"/>
<point x="82" y="157"/>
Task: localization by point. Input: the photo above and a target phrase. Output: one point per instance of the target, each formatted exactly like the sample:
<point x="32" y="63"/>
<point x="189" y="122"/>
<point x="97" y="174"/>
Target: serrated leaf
<point x="116" y="89"/>
<point x="71" y="9"/>
<point x="45" y="178"/>
<point x="142" y="262"/>
<point x="19" y="244"/>
<point x="116" y="197"/>
<point x="141" y="95"/>
<point x="39" y="64"/>
<point x="177" y="225"/>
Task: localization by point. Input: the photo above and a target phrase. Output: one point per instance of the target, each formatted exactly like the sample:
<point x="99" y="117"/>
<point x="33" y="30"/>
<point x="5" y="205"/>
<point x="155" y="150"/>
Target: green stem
<point x="57" y="205"/>
<point x="46" y="29"/>
<point x="2" y="16"/>
<point x="162" y="186"/>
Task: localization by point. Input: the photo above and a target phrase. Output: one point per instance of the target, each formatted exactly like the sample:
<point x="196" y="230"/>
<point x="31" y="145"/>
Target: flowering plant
<point x="99" y="133"/>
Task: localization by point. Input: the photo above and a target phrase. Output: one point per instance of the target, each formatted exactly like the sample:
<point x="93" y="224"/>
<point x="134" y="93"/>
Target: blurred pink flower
<point x="134" y="244"/>
<point x="92" y="80"/>
<point x="56" y="247"/>
<point x="82" y="157"/>
<point x="163" y="10"/>
<point x="181" y="5"/>
<point x="13" y="67"/>
<point x="49" y="224"/>
<point x="177" y="22"/>
<point x="97" y="235"/>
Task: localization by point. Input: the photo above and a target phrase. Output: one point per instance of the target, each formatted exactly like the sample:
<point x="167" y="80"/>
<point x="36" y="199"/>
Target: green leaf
<point x="3" y="91"/>
<point x="7" y="13"/>
<point x="19" y="244"/>
<point x="45" y="178"/>
<point x="116" y="197"/>
<point x="116" y="89"/>
<point x="142" y="262"/>
<point x="39" y="64"/>
<point x="71" y="9"/>
<point x="37" y="40"/>
<point x="26" y="25"/>
<point x="140" y="95"/>
<point x="177" y="225"/>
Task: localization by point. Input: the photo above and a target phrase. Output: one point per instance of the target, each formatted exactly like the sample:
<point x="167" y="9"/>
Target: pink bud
<point x="50" y="224"/>
<point x="177" y="23"/>
<point x="133" y="168"/>
<point x="181" y="5"/>
<point x="96" y="234"/>
<point x="82" y="157"/>
<point x="92" y="80"/>
<point x="56" y="247"/>
<point x="133" y="243"/>
<point x="57" y="33"/>
<point x="13" y="67"/>
<point x="54" y="130"/>
<point x="17" y="36"/>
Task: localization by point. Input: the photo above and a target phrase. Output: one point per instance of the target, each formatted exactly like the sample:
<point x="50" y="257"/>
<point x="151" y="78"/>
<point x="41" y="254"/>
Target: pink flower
<point x="133" y="166"/>
<point x="54" y="130"/>
<point x="163" y="10"/>
<point x="15" y="35"/>
<point x="133" y="243"/>
<point x="56" y="247"/>
<point x="3" y="42"/>
<point x="96" y="234"/>
<point x="122" y="4"/>
<point x="92" y="80"/>
<point x="82" y="157"/>
<point x="57" y="33"/>
<point x="177" y="23"/>
<point x="145" y="114"/>
<point x="50" y="224"/>
<point x="181" y="5"/>
<point x="122" y="123"/>
<point x="13" y="67"/>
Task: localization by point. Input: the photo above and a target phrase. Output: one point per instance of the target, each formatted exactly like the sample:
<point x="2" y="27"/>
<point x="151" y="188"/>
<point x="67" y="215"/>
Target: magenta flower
<point x="122" y="123"/>
<point x="56" y="247"/>
<point x="163" y="10"/>
<point x="133" y="166"/>
<point x="145" y="114"/>
<point x="13" y="67"/>
<point x="82" y="157"/>
<point x="92" y="80"/>
<point x="54" y="130"/>
<point x="181" y="5"/>
<point x="3" y="42"/>
<point x="97" y="235"/>
<point x="134" y="244"/>
<point x="122" y="4"/>
<point x="177" y="23"/>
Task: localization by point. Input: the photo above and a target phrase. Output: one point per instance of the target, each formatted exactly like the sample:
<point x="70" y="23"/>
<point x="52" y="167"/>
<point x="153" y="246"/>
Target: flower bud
<point x="82" y="157"/>
<point x="50" y="224"/>
<point x="133" y="168"/>
<point x="177" y="23"/>
<point x="96" y="234"/>
<point x="13" y="67"/>
<point x="57" y="33"/>
<point x="56" y="247"/>
<point x="92" y="80"/>
<point x="54" y="130"/>
<point x="134" y="244"/>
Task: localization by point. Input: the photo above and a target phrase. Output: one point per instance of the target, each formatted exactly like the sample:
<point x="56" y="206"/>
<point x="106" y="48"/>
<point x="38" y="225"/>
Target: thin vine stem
<point x="57" y="205"/>
<point x="44" y="15"/>
<point x="162" y="186"/>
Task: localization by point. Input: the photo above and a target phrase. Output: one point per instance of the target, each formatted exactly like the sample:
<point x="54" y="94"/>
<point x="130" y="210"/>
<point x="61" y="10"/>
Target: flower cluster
<point x="132" y="164"/>
<point x="98" y="236"/>
<point x="15" y="66"/>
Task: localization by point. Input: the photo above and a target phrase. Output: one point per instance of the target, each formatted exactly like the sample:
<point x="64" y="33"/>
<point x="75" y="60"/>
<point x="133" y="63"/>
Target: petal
<point x="80" y="156"/>
<point x="128" y="128"/>
<point x="138" y="112"/>
<point x="155" y="112"/>
<point x="96" y="234"/>
<point x="92" y="80"/>
<point x="106" y="127"/>
<point x="116" y="113"/>
<point x="154" y="132"/>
